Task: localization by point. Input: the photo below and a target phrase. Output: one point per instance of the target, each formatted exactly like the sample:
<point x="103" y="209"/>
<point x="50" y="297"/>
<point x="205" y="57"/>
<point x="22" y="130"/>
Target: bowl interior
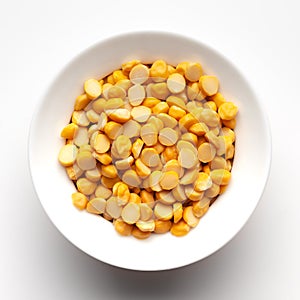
<point x="96" y="236"/>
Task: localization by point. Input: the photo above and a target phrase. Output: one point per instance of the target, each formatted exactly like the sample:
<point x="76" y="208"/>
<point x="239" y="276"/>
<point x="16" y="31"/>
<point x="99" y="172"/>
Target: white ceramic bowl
<point x="96" y="236"/>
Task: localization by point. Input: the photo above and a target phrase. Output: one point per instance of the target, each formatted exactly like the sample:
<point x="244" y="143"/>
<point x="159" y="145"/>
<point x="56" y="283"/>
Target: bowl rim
<point x="96" y="44"/>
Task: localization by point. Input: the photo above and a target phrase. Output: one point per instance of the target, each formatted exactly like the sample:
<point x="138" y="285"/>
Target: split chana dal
<point x="150" y="147"/>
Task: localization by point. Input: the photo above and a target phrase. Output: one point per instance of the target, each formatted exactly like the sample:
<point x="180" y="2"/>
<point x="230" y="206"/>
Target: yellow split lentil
<point x="150" y="147"/>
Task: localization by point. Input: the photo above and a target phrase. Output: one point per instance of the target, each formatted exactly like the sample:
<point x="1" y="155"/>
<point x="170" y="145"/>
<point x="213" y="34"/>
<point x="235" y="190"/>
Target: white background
<point x="39" y="37"/>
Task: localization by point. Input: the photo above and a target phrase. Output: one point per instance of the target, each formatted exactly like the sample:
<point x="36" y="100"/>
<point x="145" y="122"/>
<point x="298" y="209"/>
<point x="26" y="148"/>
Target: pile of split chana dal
<point x="150" y="147"/>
